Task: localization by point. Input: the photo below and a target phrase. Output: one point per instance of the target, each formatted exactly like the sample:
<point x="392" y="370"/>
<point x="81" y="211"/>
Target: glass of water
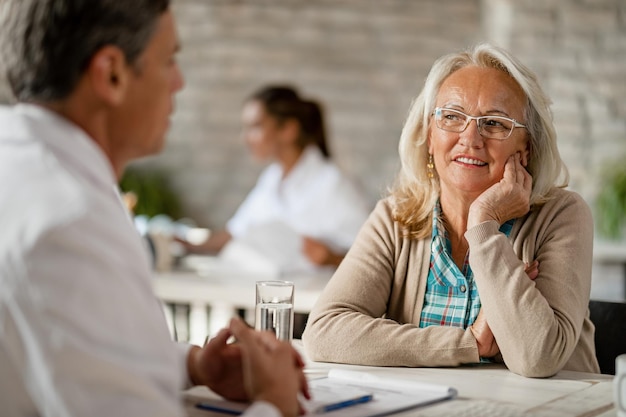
<point x="274" y="308"/>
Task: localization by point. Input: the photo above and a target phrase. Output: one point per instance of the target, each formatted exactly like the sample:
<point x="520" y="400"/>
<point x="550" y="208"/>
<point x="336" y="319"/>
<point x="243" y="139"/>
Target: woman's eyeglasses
<point x="490" y="127"/>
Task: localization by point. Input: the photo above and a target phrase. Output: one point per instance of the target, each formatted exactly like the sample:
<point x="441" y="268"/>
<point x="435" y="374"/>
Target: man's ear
<point x="108" y="74"/>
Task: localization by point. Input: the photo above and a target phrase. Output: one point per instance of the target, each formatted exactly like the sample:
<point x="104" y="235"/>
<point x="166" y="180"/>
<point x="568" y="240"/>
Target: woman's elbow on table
<point x="535" y="364"/>
<point x="321" y="340"/>
<point x="313" y="342"/>
<point x="542" y="356"/>
<point x="533" y="370"/>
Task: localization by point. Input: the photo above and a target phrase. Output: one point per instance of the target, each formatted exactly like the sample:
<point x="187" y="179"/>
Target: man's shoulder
<point x="36" y="191"/>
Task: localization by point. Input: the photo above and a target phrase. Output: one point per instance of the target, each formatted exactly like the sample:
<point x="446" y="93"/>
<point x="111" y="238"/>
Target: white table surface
<point x="214" y="291"/>
<point x="567" y="394"/>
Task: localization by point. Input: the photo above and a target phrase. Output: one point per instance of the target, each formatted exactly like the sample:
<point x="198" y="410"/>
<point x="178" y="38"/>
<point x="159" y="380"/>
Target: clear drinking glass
<point x="274" y="308"/>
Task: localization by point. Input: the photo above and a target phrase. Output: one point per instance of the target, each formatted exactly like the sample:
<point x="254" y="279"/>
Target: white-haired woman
<point x="478" y="253"/>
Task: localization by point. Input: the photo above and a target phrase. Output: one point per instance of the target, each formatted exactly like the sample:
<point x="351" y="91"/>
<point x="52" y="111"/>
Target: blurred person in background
<point x="478" y="253"/>
<point x="302" y="188"/>
<point x="81" y="331"/>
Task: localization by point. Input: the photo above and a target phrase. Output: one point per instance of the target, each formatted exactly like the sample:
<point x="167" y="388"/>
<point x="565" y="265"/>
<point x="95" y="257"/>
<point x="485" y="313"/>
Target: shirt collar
<point x="69" y="142"/>
<point x="439" y="230"/>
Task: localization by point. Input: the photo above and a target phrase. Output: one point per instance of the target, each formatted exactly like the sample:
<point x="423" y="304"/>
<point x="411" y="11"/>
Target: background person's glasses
<point x="490" y="127"/>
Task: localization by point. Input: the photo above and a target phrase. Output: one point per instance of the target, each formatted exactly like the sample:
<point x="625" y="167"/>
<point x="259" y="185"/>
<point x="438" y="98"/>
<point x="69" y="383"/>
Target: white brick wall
<point x="366" y="60"/>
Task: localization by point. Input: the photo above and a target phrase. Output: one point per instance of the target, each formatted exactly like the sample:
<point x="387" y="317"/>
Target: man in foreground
<point x="81" y="333"/>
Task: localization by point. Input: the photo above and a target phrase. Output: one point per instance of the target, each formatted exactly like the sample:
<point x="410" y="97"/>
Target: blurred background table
<point x="609" y="275"/>
<point x="215" y="291"/>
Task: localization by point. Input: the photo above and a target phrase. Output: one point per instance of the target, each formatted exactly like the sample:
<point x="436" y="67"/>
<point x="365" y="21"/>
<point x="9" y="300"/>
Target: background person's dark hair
<point x="45" y="45"/>
<point x="284" y="102"/>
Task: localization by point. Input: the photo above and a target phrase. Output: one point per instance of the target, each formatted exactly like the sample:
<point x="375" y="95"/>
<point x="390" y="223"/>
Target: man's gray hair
<point x="46" y="45"/>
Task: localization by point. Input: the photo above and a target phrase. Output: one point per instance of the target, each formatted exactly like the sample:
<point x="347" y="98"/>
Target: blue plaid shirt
<point x="451" y="297"/>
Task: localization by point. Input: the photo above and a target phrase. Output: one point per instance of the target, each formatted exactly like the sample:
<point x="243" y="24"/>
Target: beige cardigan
<point x="369" y="312"/>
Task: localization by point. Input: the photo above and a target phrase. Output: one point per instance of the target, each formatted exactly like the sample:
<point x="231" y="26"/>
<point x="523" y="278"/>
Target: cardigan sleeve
<point x="369" y="312"/>
<point x="537" y="324"/>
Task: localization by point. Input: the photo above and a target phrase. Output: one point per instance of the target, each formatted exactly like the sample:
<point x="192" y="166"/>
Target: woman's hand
<point x="318" y="253"/>
<point x="532" y="269"/>
<point x="212" y="245"/>
<point x="505" y="200"/>
<point x="487" y="345"/>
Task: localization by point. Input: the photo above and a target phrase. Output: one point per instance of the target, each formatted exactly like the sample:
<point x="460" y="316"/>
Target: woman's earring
<point x="431" y="166"/>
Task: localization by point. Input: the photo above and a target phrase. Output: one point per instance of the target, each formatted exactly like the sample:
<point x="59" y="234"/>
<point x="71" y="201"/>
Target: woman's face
<point x="466" y="162"/>
<point x="263" y="134"/>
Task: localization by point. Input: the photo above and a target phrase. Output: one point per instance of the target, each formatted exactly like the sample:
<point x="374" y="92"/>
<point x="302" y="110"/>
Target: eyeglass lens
<point x="493" y="127"/>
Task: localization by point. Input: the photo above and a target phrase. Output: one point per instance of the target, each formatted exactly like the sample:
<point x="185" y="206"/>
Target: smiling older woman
<point x="478" y="253"/>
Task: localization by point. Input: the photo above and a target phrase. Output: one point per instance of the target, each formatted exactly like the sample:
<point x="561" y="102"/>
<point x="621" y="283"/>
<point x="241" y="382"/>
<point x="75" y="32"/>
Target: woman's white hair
<point x="414" y="193"/>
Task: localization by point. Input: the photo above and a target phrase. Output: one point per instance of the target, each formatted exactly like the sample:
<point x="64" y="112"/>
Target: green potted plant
<point x="611" y="202"/>
<point x="153" y="191"/>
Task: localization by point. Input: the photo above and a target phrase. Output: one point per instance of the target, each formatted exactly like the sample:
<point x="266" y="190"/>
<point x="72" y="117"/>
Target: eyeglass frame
<point x="478" y="125"/>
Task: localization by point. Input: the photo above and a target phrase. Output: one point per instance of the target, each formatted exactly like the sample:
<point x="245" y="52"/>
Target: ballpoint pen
<point x="211" y="407"/>
<point x="319" y="410"/>
<point x="343" y="404"/>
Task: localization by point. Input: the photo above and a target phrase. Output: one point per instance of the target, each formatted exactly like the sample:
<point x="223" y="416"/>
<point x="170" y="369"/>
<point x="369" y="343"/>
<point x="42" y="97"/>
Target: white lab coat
<point x="315" y="199"/>
<point x="81" y="332"/>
